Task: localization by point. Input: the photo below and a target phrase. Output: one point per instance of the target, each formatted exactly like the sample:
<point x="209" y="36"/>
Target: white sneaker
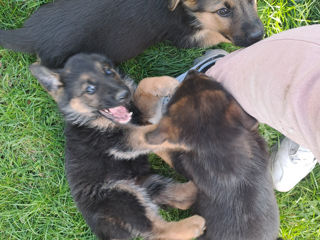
<point x="290" y="164"/>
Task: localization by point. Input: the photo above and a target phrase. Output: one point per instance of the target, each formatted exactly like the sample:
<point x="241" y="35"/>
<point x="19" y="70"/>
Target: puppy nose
<point x="255" y="36"/>
<point x="122" y="95"/>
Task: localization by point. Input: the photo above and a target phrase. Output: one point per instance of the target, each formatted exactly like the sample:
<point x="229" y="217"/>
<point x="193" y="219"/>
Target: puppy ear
<point x="189" y="3"/>
<point x="49" y="80"/>
<point x="173" y="4"/>
<point x="235" y="111"/>
<point x="249" y="122"/>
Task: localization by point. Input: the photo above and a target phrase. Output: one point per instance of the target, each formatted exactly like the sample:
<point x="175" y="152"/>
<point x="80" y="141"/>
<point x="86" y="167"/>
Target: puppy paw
<point x="159" y="86"/>
<point x="194" y="227"/>
<point x="166" y="86"/>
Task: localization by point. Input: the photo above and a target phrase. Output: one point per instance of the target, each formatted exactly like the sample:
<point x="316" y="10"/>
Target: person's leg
<point x="277" y="81"/>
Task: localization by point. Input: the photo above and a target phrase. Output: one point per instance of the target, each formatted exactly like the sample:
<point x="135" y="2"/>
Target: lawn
<point x="35" y="201"/>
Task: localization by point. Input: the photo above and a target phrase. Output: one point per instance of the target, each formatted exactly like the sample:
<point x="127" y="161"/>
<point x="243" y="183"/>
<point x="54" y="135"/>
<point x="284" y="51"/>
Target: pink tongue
<point x="121" y="114"/>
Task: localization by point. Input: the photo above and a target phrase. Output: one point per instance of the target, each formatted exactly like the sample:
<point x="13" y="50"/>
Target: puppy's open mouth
<point x="118" y="114"/>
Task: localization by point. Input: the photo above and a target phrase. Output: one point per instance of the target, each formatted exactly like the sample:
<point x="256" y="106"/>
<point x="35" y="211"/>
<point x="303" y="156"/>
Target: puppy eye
<point x="224" y="12"/>
<point x="108" y="72"/>
<point x="91" y="89"/>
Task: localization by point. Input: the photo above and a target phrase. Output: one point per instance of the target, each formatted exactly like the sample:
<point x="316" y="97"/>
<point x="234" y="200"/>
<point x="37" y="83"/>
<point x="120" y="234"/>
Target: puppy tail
<point x="18" y="40"/>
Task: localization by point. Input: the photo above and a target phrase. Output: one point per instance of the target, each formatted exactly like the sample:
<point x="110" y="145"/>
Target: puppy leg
<point x="185" y="229"/>
<point x="134" y="143"/>
<point x="122" y="210"/>
<point x="132" y="211"/>
<point x="149" y="93"/>
<point x="178" y="195"/>
<point x="164" y="191"/>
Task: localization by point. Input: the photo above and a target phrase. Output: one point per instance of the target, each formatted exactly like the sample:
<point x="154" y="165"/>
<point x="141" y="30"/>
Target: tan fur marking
<point x="212" y="25"/>
<point x="102" y="123"/>
<point x="190" y="3"/>
<point x="178" y="105"/>
<point x="84" y="76"/>
<point x="165" y="157"/>
<point x="100" y="67"/>
<point x="232" y="3"/>
<point x="236" y="113"/>
<point x="231" y="113"/>
<point x="135" y="190"/>
<point x="256" y="5"/>
<point x="118" y="222"/>
<point x="56" y="95"/>
<point x="77" y="105"/>
<point x="161" y="230"/>
<point x="158" y="86"/>
<point x="179" y="195"/>
<point x="150" y="208"/>
<point x="138" y="140"/>
<point x="149" y="93"/>
<point x="150" y="108"/>
<point x="185" y="229"/>
<point x="209" y="38"/>
<point x="172" y="131"/>
<point x="217" y="95"/>
<point x="173" y="4"/>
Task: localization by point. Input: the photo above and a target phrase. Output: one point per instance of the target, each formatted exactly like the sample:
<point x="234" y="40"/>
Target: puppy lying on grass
<point x="224" y="156"/>
<point x="108" y="174"/>
<point x="122" y="29"/>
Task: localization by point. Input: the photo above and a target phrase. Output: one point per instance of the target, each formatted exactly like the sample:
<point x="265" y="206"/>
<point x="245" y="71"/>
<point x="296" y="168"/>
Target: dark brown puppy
<point x="224" y="156"/>
<point x="110" y="181"/>
<point x="122" y="29"/>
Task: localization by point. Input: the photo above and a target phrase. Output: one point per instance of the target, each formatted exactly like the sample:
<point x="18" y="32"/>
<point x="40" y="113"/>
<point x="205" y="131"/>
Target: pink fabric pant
<point x="277" y="81"/>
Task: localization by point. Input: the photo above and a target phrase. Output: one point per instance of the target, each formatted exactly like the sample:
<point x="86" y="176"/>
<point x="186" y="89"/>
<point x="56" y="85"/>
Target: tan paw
<point x="194" y="227"/>
<point x="159" y="86"/>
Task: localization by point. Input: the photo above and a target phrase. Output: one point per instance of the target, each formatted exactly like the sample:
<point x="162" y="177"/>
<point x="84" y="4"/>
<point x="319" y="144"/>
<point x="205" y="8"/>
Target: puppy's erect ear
<point x="173" y="4"/>
<point x="249" y="122"/>
<point x="235" y="111"/>
<point x="50" y="80"/>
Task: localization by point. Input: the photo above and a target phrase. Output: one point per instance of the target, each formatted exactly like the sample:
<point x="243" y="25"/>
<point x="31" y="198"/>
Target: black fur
<point x="120" y="29"/>
<point x="227" y="161"/>
<point x="90" y="167"/>
<point x="113" y="194"/>
<point x="115" y="28"/>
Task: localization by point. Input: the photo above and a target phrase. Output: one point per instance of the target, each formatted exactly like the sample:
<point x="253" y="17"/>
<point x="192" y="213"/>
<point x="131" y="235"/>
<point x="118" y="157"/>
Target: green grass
<point x="35" y="201"/>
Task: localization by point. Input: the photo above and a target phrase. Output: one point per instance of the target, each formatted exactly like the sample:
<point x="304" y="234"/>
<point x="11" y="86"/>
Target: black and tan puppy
<point x="110" y="181"/>
<point x="224" y="156"/>
<point x="122" y="29"/>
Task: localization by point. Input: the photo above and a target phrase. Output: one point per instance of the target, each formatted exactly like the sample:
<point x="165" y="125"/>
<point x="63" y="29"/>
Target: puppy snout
<point x="255" y="36"/>
<point x="123" y="95"/>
